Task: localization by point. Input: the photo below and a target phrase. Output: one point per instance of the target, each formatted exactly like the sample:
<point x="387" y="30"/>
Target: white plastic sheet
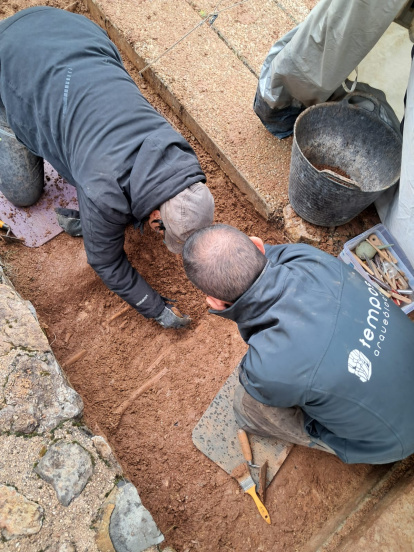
<point x="396" y="208"/>
<point x="310" y="62"/>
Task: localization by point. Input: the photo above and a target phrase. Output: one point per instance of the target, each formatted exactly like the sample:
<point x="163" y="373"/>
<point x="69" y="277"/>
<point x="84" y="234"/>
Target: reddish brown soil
<point x="196" y="505"/>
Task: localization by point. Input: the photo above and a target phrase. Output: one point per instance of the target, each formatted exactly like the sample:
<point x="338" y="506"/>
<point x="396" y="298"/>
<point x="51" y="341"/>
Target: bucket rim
<point x="337" y="104"/>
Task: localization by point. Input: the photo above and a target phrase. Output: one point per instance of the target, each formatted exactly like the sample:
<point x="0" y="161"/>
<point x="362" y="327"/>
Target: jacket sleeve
<point x="104" y="246"/>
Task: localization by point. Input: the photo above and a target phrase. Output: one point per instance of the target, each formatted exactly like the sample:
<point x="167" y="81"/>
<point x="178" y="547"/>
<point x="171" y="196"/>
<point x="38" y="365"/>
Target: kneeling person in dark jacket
<point x="330" y="359"/>
<point x="66" y="97"/>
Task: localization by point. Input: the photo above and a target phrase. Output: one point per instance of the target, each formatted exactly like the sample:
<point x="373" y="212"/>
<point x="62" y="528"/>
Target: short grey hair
<point x="222" y="261"/>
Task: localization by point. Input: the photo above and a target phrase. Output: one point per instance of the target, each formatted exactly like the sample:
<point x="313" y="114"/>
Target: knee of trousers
<point x="21" y="172"/>
<point x="242" y="418"/>
<point x="238" y="408"/>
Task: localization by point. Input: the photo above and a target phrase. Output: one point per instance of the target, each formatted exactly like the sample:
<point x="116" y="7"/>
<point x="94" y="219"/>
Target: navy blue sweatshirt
<point x="320" y="337"/>
<point x="69" y="99"/>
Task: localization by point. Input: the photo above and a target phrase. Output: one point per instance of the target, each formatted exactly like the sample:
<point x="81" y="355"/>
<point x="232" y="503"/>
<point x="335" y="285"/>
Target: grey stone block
<point x="67" y="467"/>
<point x="36" y="395"/>
<point x="132" y="528"/>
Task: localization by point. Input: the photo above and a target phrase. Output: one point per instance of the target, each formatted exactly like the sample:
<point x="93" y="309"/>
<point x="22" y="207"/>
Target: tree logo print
<point x="359" y="365"/>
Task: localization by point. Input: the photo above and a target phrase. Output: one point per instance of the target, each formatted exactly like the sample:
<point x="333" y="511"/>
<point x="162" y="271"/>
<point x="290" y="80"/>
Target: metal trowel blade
<point x="8" y="238"/>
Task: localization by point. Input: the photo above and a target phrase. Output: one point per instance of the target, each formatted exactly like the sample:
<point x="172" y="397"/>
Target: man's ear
<point x="217" y="304"/>
<point x="258" y="243"/>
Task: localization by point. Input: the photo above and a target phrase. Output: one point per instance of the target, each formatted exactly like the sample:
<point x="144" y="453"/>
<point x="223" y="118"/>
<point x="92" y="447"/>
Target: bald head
<point x="222" y="261"/>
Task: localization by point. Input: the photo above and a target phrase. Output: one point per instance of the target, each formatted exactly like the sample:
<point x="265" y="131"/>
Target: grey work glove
<point x="69" y="220"/>
<point x="171" y="317"/>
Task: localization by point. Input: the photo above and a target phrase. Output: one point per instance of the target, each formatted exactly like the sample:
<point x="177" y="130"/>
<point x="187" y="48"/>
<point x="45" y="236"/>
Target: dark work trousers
<point x="286" y="424"/>
<point x="21" y="172"/>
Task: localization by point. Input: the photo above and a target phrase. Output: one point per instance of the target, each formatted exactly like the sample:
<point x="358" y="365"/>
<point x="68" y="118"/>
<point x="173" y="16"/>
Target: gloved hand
<point x="69" y="220"/>
<point x="171" y="317"/>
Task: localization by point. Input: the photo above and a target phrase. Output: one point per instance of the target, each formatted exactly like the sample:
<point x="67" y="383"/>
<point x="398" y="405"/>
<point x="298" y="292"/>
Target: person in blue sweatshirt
<point x="330" y="362"/>
<point x="66" y="97"/>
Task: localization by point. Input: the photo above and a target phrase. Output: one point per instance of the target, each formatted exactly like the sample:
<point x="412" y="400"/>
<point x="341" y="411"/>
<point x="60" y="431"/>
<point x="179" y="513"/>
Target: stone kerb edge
<point x="51" y="463"/>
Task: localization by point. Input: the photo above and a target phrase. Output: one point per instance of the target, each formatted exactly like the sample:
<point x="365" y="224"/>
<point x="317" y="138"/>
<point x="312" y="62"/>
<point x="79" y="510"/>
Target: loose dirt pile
<point x="196" y="505"/>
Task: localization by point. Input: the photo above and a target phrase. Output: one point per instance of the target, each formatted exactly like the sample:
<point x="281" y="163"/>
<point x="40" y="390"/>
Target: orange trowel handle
<point x="245" y="445"/>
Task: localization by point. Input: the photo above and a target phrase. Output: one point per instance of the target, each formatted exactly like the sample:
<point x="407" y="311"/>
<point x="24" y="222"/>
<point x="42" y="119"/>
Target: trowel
<point x="9" y="237"/>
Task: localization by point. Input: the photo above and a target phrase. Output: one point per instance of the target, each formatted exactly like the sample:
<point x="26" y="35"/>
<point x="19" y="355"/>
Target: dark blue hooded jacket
<point x="69" y="99"/>
<point x="320" y="337"/>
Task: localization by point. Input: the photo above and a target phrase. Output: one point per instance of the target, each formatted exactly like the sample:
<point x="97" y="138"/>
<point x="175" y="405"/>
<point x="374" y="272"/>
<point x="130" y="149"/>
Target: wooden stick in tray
<point x="364" y="266"/>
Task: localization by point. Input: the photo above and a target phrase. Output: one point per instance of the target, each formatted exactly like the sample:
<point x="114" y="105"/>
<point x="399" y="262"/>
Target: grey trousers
<point x="21" y="172"/>
<point x="286" y="424"/>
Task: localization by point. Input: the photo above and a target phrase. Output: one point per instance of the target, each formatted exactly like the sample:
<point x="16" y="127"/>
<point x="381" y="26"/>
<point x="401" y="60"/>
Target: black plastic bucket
<point x="348" y="136"/>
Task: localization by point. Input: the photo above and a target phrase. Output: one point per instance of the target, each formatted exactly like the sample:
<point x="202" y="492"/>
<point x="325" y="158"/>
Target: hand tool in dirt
<point x="262" y="481"/>
<point x="242" y="474"/>
<point x="245" y="446"/>
<point x="9" y="237"/>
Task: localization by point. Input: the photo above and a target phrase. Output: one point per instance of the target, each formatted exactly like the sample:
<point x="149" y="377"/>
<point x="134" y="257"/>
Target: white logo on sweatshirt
<point x="359" y="365"/>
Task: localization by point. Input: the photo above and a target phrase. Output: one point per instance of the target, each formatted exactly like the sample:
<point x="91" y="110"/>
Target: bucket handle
<point x="353" y="86"/>
<point x="364" y="101"/>
<point x="338" y="179"/>
<point x="369" y="103"/>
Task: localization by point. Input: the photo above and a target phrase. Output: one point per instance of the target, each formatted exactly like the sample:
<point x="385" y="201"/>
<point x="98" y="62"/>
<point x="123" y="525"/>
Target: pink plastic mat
<point x="38" y="224"/>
